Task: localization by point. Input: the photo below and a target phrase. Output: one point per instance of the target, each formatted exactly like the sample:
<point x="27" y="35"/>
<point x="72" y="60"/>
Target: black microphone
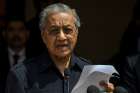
<point x="66" y="80"/>
<point x="115" y="79"/>
<point x="66" y="74"/>
<point x="120" y="89"/>
<point x="93" y="89"/>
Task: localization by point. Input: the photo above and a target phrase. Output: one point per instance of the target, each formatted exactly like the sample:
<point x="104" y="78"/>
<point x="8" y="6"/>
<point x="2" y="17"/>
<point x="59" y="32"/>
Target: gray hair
<point x="58" y="7"/>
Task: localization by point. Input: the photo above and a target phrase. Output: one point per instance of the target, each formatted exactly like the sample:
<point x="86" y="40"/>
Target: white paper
<point x="93" y="75"/>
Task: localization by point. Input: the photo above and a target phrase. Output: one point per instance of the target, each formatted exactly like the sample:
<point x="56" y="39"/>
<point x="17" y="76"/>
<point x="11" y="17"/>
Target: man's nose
<point x="62" y="35"/>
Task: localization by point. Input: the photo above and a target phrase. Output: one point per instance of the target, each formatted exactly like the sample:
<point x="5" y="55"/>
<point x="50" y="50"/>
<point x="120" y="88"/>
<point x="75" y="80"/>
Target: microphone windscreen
<point x="115" y="79"/>
<point x="120" y="89"/>
<point x="67" y="73"/>
<point x="93" y="89"/>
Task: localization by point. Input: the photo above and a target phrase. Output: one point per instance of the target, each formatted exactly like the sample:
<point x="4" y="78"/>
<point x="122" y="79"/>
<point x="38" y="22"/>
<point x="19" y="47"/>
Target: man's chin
<point x="63" y="55"/>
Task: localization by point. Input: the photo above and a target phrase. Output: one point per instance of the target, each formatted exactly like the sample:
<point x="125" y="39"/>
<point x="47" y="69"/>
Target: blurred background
<point x="106" y="25"/>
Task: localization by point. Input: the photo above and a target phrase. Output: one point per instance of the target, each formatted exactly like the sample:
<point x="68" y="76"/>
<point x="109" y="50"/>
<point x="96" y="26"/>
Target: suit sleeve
<point x="14" y="83"/>
<point x="129" y="75"/>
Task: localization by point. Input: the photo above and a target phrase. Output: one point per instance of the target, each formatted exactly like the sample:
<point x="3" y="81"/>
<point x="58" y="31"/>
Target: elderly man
<point x="58" y="69"/>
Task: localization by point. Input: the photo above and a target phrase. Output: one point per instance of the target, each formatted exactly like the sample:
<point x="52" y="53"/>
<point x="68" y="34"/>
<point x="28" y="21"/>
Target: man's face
<point x="60" y="34"/>
<point x="16" y="34"/>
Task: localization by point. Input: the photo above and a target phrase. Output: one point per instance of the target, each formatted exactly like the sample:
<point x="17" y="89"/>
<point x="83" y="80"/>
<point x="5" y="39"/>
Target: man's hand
<point x="108" y="87"/>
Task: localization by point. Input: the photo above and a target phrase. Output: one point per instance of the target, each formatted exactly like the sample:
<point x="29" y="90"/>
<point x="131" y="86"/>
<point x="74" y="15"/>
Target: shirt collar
<point x="20" y="53"/>
<point x="46" y="62"/>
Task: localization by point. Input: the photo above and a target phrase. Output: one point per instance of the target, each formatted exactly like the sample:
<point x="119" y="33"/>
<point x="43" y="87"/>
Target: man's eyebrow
<point x="67" y="25"/>
<point x="55" y="26"/>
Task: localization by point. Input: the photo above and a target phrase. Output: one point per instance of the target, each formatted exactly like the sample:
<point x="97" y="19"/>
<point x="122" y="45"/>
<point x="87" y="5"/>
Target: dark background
<point x="103" y="22"/>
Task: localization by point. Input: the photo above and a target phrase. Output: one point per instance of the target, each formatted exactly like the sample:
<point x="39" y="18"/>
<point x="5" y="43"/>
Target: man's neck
<point x="61" y="63"/>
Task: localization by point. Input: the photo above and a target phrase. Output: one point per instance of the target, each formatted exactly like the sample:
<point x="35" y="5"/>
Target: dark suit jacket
<point x="39" y="75"/>
<point x="5" y="66"/>
<point x="131" y="74"/>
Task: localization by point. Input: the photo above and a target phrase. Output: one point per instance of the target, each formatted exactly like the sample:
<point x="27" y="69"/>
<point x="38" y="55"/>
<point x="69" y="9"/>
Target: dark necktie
<point x="15" y="57"/>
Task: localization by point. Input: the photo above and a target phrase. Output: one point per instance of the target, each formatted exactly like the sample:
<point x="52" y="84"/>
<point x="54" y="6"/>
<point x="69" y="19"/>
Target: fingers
<point x="109" y="87"/>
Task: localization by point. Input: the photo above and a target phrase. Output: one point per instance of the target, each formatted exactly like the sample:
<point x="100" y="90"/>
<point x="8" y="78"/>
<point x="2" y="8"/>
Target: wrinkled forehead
<point x="60" y="19"/>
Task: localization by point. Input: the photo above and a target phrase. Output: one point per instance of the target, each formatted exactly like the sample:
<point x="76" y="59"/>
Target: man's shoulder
<point x="80" y="61"/>
<point x="84" y="61"/>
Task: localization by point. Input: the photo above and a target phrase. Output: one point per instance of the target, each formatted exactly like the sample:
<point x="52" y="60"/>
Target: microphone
<point x="120" y="89"/>
<point x="66" y="81"/>
<point x="66" y="74"/>
<point x="115" y="79"/>
<point x="93" y="89"/>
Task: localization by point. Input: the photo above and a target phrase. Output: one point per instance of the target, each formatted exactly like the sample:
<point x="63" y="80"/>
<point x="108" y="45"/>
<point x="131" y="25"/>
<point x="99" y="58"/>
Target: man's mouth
<point x="62" y="45"/>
